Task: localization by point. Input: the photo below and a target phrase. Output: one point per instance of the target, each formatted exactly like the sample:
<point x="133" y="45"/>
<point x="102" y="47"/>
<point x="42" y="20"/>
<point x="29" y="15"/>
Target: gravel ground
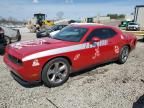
<point x="106" y="86"/>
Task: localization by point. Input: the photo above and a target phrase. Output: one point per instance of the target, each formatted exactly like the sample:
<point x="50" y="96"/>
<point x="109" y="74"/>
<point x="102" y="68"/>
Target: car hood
<point x="26" y="48"/>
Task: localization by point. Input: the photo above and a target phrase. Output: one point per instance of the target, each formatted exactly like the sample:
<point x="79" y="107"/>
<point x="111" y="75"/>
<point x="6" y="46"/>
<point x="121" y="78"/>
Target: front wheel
<point x="56" y="72"/>
<point x="123" y="55"/>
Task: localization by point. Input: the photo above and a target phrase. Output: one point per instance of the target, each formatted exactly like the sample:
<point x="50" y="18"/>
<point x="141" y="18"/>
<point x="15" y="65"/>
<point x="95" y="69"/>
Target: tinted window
<point x="103" y="33"/>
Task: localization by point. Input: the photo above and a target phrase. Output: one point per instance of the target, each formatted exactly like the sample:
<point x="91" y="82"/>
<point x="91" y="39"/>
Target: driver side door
<point x="102" y="50"/>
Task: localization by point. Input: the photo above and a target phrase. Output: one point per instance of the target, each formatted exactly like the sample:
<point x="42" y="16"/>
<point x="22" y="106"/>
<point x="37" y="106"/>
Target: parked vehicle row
<point x="51" y="31"/>
<point x="7" y="36"/>
<point x="129" y="25"/>
<point x="3" y="42"/>
<point x="11" y="35"/>
<point x="124" y="24"/>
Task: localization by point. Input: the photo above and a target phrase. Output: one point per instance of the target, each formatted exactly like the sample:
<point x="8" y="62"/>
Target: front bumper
<point x="23" y="82"/>
<point x="133" y="28"/>
<point x="23" y="73"/>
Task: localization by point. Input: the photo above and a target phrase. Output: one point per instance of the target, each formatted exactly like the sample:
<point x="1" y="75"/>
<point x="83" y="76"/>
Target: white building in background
<point x="96" y="19"/>
<point x="101" y="19"/>
<point x="139" y="15"/>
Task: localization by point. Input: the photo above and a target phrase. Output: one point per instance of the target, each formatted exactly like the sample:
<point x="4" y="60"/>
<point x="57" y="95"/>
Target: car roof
<point x="132" y="23"/>
<point x="90" y="25"/>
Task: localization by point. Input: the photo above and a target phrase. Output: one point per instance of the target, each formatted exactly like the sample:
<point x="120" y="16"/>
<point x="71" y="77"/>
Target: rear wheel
<point x="56" y="72"/>
<point x="123" y="55"/>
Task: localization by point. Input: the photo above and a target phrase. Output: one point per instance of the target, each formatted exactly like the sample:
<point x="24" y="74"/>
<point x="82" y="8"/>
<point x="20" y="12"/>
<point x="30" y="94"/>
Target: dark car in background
<point x="124" y="24"/>
<point x="3" y="42"/>
<point x="45" y="33"/>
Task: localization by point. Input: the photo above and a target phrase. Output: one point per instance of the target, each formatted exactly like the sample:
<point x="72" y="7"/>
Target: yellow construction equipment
<point x="39" y="22"/>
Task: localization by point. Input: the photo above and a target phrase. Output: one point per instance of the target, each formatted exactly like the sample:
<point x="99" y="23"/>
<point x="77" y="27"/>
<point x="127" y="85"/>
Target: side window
<point x="102" y="33"/>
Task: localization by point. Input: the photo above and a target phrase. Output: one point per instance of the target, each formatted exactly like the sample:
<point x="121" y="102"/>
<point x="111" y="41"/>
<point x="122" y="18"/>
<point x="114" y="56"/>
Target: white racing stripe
<point x="55" y="51"/>
<point x="64" y="50"/>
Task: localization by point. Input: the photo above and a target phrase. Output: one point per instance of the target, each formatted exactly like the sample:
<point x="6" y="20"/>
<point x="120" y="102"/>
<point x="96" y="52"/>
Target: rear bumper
<point x="133" y="28"/>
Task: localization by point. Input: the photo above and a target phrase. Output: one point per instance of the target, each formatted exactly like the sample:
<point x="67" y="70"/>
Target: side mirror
<point x="95" y="39"/>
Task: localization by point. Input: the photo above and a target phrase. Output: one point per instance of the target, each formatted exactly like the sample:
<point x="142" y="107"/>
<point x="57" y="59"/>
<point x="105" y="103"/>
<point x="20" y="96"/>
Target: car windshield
<point x="53" y="27"/>
<point x="73" y="34"/>
<point x="132" y="24"/>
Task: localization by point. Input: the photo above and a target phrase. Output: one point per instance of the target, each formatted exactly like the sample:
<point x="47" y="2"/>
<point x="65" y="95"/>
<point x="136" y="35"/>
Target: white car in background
<point x="133" y="26"/>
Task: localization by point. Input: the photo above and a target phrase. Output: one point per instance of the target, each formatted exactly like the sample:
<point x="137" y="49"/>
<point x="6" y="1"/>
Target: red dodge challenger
<point x="76" y="47"/>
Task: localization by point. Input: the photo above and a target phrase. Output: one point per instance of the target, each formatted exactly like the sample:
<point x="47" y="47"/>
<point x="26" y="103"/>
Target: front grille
<point x="132" y="28"/>
<point x="14" y="59"/>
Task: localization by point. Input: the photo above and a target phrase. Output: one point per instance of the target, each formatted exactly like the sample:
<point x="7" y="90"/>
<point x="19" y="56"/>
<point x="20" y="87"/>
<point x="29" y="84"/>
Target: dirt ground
<point x="106" y="86"/>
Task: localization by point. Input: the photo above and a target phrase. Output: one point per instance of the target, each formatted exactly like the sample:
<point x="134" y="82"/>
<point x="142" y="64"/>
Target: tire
<point x="8" y="40"/>
<point x="123" y="56"/>
<point x="52" y="75"/>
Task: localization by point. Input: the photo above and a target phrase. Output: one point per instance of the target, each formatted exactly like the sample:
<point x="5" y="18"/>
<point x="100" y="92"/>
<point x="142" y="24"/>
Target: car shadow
<point x="89" y="70"/>
<point x="139" y="103"/>
<point x="29" y="85"/>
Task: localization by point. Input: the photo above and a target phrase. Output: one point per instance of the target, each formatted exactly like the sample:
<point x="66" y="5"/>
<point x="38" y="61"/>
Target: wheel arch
<point x="65" y="57"/>
<point x="128" y="46"/>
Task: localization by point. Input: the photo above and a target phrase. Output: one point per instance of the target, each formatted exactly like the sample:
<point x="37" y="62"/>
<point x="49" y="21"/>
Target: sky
<point x="72" y="9"/>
